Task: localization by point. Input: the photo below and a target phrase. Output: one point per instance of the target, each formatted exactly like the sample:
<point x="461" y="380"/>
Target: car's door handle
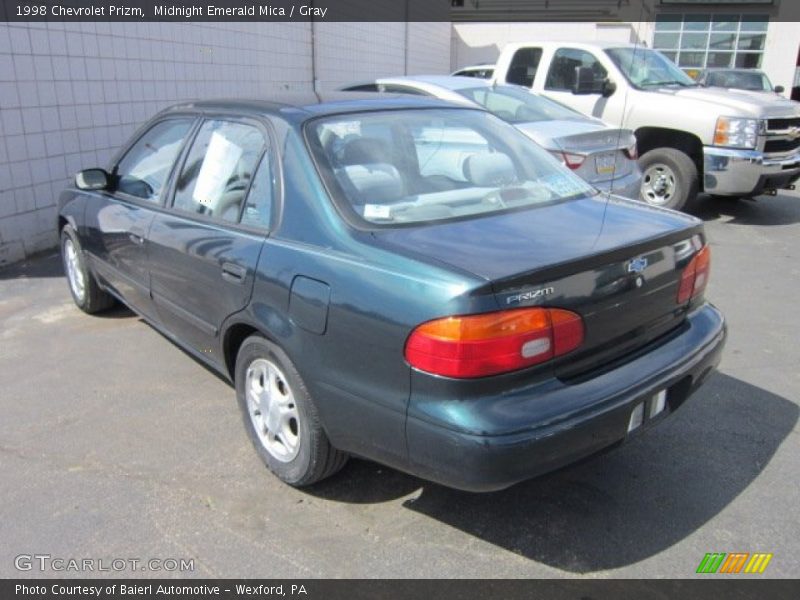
<point x="136" y="235"/>
<point x="234" y="273"/>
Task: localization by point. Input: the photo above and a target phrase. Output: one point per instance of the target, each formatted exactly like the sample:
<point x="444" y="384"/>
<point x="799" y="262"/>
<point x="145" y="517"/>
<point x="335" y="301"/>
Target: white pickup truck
<point x="690" y="139"/>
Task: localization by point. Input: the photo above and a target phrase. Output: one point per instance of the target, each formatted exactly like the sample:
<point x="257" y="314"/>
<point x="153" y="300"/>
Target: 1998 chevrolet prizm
<point x="399" y="279"/>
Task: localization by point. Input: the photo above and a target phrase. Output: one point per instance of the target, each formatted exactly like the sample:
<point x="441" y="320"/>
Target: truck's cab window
<point x="562" y="70"/>
<point x="522" y="70"/>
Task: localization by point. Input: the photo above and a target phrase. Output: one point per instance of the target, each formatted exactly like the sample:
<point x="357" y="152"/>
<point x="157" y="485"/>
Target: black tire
<point x="316" y="458"/>
<point x="685" y="178"/>
<point x="93" y="298"/>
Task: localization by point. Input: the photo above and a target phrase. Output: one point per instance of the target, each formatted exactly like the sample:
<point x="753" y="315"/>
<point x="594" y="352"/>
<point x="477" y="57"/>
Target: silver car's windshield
<point x="743" y="80"/>
<point x="416" y="166"/>
<point x="647" y="68"/>
<point x="516" y="105"/>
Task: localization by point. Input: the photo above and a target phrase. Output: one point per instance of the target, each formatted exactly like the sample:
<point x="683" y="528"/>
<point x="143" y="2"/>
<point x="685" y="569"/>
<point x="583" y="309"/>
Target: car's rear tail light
<point x="492" y="343"/>
<point x="631" y="152"/>
<point x="695" y="276"/>
<point x="572" y="160"/>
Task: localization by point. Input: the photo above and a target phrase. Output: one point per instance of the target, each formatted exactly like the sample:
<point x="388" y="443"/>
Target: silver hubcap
<point x="74" y="271"/>
<point x="658" y="185"/>
<point x="272" y="409"/>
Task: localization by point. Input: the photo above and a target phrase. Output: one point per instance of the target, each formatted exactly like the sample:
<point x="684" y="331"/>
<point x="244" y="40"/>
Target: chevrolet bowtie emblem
<point x="637" y="265"/>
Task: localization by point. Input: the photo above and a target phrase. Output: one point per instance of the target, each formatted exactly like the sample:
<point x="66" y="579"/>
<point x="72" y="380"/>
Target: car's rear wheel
<point x="281" y="417"/>
<point x="669" y="178"/>
<point x="85" y="291"/>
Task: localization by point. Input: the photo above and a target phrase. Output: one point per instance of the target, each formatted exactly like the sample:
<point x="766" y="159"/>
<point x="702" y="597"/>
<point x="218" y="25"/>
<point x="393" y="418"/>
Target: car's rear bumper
<point x="551" y="435"/>
<point x="628" y="186"/>
<point x="731" y="172"/>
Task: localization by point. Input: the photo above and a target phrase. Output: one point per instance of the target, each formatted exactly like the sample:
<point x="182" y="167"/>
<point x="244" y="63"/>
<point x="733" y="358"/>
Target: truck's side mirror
<point x="609" y="87"/>
<point x="584" y="81"/>
<point x="779" y="89"/>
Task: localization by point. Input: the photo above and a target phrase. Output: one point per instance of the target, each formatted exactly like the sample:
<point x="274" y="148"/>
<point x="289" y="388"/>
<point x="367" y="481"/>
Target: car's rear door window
<point x="393" y="88"/>
<point x="218" y="170"/>
<point x="144" y="169"/>
<point x="260" y="200"/>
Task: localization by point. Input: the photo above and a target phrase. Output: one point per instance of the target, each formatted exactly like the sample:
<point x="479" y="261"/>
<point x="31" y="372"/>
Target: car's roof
<point x="450" y="82"/>
<point x="480" y="67"/>
<point x="302" y="106"/>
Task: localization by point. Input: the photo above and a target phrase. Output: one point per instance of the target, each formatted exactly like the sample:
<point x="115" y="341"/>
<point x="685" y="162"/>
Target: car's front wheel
<point x="281" y="417"/>
<point x="85" y="291"/>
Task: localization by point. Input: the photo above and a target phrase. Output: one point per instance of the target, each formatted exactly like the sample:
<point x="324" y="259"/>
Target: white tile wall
<point x="347" y="52"/>
<point x="429" y="48"/>
<point x="71" y="93"/>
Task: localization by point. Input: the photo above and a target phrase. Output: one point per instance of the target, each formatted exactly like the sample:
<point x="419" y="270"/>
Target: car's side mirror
<point x="92" y="179"/>
<point x="609" y="87"/>
<point x="584" y="81"/>
<point x="779" y="89"/>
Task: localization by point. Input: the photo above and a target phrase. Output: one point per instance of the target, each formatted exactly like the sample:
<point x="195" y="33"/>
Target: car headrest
<point x="375" y="183"/>
<point x="364" y="150"/>
<point x="489" y="169"/>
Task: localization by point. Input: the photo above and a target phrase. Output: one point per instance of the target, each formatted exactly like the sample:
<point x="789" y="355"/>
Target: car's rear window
<point x="416" y="166"/>
<point x="517" y="105"/>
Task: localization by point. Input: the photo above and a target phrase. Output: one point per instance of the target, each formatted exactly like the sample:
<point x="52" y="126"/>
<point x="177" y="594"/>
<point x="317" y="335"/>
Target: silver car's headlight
<point x="736" y="132"/>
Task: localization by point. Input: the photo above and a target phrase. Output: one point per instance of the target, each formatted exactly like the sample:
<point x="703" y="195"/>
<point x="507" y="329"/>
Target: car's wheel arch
<point x="234" y="333"/>
<point x="71" y="208"/>
<point x="651" y="138"/>
<point x="67" y="217"/>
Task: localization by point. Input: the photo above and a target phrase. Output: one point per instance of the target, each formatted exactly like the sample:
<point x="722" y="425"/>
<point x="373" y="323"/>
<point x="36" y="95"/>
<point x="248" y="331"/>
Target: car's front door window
<point x="144" y="169"/>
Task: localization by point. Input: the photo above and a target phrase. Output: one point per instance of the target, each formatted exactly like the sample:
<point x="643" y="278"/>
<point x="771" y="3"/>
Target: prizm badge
<point x="637" y="265"/>
<point x="531" y="295"/>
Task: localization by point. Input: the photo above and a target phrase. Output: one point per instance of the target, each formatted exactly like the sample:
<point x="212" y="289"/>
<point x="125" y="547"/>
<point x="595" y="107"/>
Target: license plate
<point x="604" y="163"/>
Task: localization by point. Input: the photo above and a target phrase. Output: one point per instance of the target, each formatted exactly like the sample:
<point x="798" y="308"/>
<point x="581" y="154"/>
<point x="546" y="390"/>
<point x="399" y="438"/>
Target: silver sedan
<point x="602" y="155"/>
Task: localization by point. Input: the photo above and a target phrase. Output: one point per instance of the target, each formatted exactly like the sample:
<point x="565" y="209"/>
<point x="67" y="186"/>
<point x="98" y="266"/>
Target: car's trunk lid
<point x="617" y="263"/>
<point x="602" y="146"/>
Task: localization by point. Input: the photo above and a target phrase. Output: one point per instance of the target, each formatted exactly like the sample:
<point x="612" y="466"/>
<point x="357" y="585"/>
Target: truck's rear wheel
<point x="669" y="178"/>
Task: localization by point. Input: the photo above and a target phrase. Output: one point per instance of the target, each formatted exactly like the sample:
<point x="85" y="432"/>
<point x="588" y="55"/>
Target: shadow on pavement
<point x="618" y="508"/>
<point x="50" y="266"/>
<point x="41" y="266"/>
<point x="365" y="482"/>
<point x="118" y="311"/>
<point x="782" y="209"/>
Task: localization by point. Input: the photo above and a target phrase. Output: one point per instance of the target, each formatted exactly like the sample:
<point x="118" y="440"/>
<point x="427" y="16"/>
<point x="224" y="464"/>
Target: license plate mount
<point x="647" y="410"/>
